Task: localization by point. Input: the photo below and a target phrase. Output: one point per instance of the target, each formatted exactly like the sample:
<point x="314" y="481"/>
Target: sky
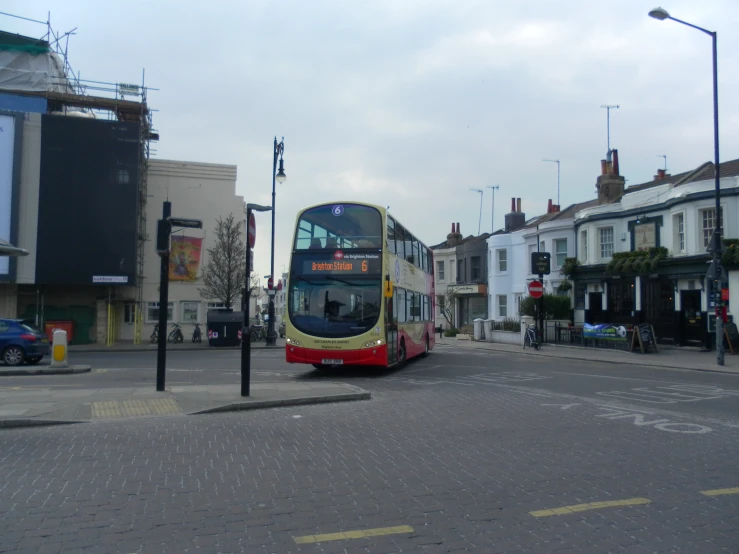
<point x="411" y="103"/>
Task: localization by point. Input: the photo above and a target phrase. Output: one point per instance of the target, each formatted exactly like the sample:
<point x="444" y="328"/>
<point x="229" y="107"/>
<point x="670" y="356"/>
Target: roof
<point x="703" y="172"/>
<point x="567" y="213"/>
<point x="469" y="238"/>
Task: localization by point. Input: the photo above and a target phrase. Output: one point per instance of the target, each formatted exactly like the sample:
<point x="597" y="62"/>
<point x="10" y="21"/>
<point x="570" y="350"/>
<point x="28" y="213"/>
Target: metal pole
<point x="558" y="183"/>
<point x="163" y="306"/>
<point x="717" y="245"/>
<point x="246" y="333"/>
<point x="493" y="188"/>
<point x="271" y="311"/>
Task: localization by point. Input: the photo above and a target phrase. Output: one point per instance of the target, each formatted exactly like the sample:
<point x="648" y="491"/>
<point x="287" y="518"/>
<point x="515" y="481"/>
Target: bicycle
<point x="176" y="334"/>
<point x="155" y="334"/>
<point x="530" y="338"/>
<point x="196" y="335"/>
<point x="257" y="333"/>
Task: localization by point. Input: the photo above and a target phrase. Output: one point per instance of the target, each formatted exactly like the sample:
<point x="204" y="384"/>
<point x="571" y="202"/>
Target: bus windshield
<point x="341" y="226"/>
<point x="328" y="306"/>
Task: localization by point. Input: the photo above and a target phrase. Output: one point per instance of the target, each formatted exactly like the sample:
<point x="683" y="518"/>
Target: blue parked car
<point x="20" y="342"/>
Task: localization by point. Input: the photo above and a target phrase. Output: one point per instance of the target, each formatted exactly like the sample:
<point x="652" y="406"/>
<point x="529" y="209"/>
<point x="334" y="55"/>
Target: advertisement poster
<point x="7" y="147"/>
<point x="603" y="331"/>
<point x="184" y="260"/>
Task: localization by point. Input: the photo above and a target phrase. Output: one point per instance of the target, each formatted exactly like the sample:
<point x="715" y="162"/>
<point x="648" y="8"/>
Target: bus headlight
<point x="372" y="343"/>
<point x="293" y="342"/>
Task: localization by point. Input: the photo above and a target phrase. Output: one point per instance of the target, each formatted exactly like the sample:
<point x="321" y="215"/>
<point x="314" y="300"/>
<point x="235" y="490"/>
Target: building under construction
<point x="74" y="160"/>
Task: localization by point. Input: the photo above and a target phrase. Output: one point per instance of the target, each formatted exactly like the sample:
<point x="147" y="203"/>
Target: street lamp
<point x="556" y="162"/>
<point x="280" y="177"/>
<point x="246" y="331"/>
<point x="492" y="219"/>
<point x="715" y="246"/>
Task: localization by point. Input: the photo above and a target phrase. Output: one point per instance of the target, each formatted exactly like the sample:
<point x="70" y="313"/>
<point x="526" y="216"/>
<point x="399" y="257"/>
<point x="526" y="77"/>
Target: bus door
<point x="391" y="327"/>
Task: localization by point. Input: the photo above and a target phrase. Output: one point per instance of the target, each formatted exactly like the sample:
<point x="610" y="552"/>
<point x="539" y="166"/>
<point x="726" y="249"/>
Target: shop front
<point x="471" y="303"/>
<point x="674" y="299"/>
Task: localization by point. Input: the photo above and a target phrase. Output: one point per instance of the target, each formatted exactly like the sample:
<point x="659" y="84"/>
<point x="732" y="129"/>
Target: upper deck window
<point x="339" y="226"/>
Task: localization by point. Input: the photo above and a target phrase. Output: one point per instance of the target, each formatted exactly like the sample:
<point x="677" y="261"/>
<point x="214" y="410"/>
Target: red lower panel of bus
<point x="365" y="356"/>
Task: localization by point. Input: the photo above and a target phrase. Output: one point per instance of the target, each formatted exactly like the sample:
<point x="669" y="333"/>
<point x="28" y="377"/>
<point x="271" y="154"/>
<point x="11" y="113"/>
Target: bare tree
<point x="223" y="274"/>
<point x="446" y="305"/>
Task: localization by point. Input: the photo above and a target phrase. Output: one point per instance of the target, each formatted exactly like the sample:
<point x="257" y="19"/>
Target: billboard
<point x="88" y="202"/>
<point x="184" y="258"/>
<point x="7" y="151"/>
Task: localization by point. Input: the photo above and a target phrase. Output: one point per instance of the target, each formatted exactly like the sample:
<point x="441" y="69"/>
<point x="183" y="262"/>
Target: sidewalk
<point x="37" y="405"/>
<point x="668" y="356"/>
<point x="125" y="346"/>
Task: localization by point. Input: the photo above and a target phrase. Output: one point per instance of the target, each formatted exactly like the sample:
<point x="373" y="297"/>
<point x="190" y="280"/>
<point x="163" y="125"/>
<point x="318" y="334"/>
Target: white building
<point x="674" y="213"/>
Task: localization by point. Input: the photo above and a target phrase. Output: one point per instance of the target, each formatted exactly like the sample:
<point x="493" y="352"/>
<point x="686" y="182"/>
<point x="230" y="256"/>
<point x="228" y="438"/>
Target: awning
<point x="7" y="249"/>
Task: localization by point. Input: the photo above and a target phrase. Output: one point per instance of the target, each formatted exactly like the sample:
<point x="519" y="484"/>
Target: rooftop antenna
<point x="665" y="157"/>
<point x="493" y="188"/>
<point x="555" y="162"/>
<point x="479" y="222"/>
<point x="608" y="122"/>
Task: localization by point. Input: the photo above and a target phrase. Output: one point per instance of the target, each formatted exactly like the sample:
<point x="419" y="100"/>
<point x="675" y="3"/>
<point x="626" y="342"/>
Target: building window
<point x="560" y="251"/>
<point x="190" y="312"/>
<point x="129" y="312"/>
<point x="123" y="177"/>
<point x="440" y="270"/>
<point x="502" y="260"/>
<point x="475" y="268"/>
<point x="708" y="224"/>
<point x="502" y="305"/>
<point x="460" y="271"/>
<point x="678" y="226"/>
<point x="606" y="243"/>
<point x="152" y="312"/>
<point x="584" y="246"/>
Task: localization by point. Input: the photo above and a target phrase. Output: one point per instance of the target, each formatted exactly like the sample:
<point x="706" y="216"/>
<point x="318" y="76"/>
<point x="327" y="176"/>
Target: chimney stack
<point x="454" y="238"/>
<point x="549" y="206"/>
<point x="516" y="219"/>
<point x="610" y="184"/>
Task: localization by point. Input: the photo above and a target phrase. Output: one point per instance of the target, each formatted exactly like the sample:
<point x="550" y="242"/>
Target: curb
<point x="617" y="362"/>
<point x="261" y="404"/>
<point x="46" y="371"/>
<point x="16" y="423"/>
<point x="98" y="350"/>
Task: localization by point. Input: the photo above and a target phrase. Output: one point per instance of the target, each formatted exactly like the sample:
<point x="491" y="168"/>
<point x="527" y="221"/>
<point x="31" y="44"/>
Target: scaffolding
<point x="127" y="102"/>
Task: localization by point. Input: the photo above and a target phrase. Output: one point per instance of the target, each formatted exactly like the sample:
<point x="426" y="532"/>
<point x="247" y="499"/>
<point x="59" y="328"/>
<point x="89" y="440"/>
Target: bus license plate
<point x="328" y="361"/>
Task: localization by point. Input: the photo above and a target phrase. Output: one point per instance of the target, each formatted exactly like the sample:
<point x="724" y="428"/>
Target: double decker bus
<point x="360" y="289"/>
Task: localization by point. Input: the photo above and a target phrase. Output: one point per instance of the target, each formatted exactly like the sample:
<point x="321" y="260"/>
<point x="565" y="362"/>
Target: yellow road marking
<point x="590" y="506"/>
<point x="378" y="532"/>
<point x="720" y="492"/>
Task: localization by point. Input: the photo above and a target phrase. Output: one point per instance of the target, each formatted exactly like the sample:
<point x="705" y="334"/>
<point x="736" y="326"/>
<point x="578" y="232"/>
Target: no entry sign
<point x="252" y="230"/>
<point x="536" y="289"/>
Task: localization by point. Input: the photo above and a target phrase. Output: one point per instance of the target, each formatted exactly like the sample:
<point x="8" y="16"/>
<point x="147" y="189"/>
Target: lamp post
<point x="556" y="162"/>
<point x="280" y="177"/>
<point x="246" y="331"/>
<point x="715" y="246"/>
<point x="492" y="219"/>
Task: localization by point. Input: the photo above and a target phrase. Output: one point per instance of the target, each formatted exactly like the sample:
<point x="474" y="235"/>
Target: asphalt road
<point x="461" y="451"/>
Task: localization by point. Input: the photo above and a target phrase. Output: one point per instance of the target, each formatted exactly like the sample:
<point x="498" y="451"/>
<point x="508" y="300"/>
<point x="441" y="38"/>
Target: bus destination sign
<point x="348" y="264"/>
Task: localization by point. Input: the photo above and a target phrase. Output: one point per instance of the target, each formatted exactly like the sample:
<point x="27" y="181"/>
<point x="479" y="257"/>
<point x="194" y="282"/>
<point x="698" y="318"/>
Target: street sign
<point x="541" y="263"/>
<point x="252" y="230"/>
<point x="270" y="283"/>
<point x="271" y="292"/>
<point x="536" y="289"/>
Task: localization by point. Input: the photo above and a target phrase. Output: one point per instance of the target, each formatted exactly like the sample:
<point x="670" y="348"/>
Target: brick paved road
<point x="460" y="448"/>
